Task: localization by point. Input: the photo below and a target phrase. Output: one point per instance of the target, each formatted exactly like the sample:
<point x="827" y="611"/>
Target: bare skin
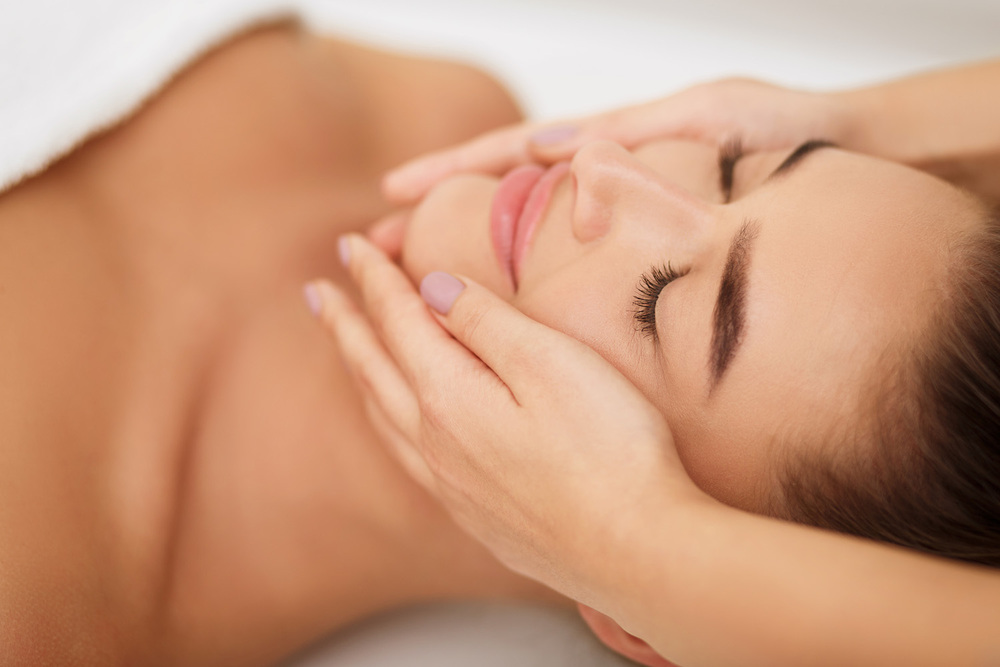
<point x="186" y="473"/>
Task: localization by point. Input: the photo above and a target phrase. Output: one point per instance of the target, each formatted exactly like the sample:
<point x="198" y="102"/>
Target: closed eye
<point x="651" y="283"/>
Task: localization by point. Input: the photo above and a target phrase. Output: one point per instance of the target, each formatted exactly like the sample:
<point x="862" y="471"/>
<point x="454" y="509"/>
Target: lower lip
<point x="520" y="200"/>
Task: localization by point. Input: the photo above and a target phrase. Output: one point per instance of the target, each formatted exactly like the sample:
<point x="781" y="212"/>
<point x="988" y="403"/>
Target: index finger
<point x="494" y="152"/>
<point x="501" y="150"/>
<point x="427" y="355"/>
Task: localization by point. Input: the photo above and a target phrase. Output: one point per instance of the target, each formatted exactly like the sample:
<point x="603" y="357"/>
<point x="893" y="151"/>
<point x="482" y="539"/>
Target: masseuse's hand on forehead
<point x="762" y="116"/>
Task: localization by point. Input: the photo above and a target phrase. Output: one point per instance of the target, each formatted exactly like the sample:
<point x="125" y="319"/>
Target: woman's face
<point x="789" y="291"/>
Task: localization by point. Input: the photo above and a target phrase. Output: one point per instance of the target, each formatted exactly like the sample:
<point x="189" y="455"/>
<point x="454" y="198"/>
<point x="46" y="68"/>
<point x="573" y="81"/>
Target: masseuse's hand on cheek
<point x="762" y="115"/>
<point x="517" y="428"/>
<point x="387" y="233"/>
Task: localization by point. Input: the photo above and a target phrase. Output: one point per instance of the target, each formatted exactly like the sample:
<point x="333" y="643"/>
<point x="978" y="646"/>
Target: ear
<point x="609" y="632"/>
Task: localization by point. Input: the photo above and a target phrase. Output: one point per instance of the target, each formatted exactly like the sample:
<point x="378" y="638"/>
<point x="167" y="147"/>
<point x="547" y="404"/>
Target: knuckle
<point x="434" y="408"/>
<point x="440" y="413"/>
<point x="396" y="315"/>
<point x="472" y="325"/>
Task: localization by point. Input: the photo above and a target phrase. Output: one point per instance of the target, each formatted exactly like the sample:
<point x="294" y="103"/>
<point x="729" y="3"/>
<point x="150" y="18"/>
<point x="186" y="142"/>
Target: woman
<point x="188" y="475"/>
<point x="189" y="480"/>
<point x="716" y="282"/>
<point x="931" y="484"/>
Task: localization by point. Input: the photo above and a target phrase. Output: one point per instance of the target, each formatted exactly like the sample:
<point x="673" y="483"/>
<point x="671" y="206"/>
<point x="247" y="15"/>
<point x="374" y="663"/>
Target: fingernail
<point x="313" y="299"/>
<point x="553" y="135"/>
<point x="440" y="289"/>
<point x="345" y="251"/>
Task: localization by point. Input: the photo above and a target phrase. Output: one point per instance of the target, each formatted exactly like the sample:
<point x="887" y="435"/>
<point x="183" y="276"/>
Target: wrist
<point x="634" y="563"/>
<point x="875" y="124"/>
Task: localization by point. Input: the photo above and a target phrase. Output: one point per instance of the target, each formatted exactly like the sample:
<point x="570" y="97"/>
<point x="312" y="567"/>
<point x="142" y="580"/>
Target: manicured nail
<point x="554" y="135"/>
<point x="345" y="251"/>
<point x="440" y="289"/>
<point x="313" y="299"/>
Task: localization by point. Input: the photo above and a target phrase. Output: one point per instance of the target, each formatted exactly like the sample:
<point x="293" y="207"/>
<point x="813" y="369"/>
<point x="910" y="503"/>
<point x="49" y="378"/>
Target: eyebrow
<point x="729" y="318"/>
<point x="796" y="156"/>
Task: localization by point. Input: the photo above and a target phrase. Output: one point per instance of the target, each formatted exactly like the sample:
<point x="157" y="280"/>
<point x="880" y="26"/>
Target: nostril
<point x="598" y="169"/>
<point x="592" y="215"/>
<point x="615" y="190"/>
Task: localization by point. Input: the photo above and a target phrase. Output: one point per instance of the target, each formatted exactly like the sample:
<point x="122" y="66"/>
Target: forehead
<point x="852" y="254"/>
<point x="850" y="261"/>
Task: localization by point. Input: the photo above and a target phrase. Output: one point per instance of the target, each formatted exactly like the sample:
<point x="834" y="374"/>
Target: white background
<point x="564" y="57"/>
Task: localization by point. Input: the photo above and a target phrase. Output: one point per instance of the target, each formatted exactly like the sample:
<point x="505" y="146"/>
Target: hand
<point x="537" y="446"/>
<point x="762" y="115"/>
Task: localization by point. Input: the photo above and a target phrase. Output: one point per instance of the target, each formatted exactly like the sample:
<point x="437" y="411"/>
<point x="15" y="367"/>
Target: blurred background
<point x="565" y="57"/>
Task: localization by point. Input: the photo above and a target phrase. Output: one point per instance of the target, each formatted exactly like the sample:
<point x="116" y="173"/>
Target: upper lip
<point x="518" y="205"/>
<point x="508" y="206"/>
<point x="531" y="214"/>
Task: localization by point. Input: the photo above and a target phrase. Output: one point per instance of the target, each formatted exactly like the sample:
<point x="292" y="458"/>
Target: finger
<point x="367" y="360"/>
<point x="388" y="233"/>
<point x="562" y="142"/>
<point x="519" y="350"/>
<point x="389" y="404"/>
<point x="430" y="359"/>
<point x="399" y="447"/>
<point x="494" y="152"/>
<point x="683" y="115"/>
<point x="629" y="127"/>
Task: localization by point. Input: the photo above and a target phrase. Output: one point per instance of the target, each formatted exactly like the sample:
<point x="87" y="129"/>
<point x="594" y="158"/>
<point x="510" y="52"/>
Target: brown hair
<point x="930" y="479"/>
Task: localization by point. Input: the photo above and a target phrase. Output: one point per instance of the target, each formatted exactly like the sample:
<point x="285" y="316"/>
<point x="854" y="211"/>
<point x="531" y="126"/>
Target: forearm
<point x="945" y="122"/>
<point x="721" y="587"/>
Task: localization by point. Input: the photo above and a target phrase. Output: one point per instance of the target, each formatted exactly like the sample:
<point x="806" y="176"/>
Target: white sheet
<point x="69" y="68"/>
<point x="472" y="634"/>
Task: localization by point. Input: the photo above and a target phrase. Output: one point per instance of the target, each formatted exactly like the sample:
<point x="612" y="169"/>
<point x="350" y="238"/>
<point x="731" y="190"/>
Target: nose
<point x="615" y="191"/>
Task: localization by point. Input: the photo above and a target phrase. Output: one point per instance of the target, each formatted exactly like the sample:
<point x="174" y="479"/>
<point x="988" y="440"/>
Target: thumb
<point x="516" y="347"/>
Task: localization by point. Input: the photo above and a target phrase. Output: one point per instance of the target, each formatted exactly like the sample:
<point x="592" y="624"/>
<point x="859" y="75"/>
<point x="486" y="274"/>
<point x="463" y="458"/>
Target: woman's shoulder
<point x="420" y="104"/>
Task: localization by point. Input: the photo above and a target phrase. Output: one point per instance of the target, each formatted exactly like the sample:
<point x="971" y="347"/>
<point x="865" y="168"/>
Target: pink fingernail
<point x="554" y="135"/>
<point x="345" y="251"/>
<point x="440" y="289"/>
<point x="313" y="299"/>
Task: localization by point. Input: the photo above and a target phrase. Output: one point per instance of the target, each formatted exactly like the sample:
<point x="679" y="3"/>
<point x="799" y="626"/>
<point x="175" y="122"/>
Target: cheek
<point x="449" y="231"/>
<point x="593" y="303"/>
<point x="596" y="309"/>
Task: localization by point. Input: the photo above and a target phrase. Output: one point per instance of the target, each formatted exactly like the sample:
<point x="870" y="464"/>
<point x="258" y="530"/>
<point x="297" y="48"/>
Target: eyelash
<point x="651" y="283"/>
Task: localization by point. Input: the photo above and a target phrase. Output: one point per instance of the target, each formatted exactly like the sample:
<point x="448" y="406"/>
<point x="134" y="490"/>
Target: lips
<point x="518" y="205"/>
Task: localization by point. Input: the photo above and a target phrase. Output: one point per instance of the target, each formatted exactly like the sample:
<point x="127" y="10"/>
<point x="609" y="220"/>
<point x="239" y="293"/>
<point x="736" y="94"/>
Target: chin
<point x="450" y="231"/>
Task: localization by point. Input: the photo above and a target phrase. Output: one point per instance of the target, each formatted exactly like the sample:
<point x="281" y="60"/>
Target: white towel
<point x="71" y="68"/>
